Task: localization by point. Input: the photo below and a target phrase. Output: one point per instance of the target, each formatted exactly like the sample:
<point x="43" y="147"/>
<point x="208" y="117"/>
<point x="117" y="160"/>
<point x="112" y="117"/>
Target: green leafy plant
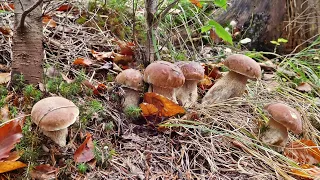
<point x="82" y="167"/>
<point x="31" y="93"/>
<point x="278" y="42"/>
<point x="132" y="111"/>
<point x="221" y="32"/>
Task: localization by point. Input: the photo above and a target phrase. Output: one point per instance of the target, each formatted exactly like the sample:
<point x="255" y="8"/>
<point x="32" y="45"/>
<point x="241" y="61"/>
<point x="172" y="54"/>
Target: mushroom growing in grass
<point x="193" y="73"/>
<point x="163" y="78"/>
<point x="53" y="115"/>
<point x="282" y="117"/>
<point x="132" y="82"/>
<point x="233" y="84"/>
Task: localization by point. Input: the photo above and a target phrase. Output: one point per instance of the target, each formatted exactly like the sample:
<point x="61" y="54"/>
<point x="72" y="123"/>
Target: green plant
<point x="132" y="111"/>
<point x="97" y="152"/>
<point x="221" y="32"/>
<point x="109" y="126"/>
<point x="31" y="93"/>
<point x="88" y="109"/>
<point x="3" y="91"/>
<point x="277" y="43"/>
<point x="82" y="167"/>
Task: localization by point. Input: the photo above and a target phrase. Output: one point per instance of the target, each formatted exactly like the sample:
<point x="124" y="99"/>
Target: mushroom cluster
<point x="282" y="118"/>
<point x="53" y="115"/>
<point x="132" y="82"/>
<point x="233" y="84"/>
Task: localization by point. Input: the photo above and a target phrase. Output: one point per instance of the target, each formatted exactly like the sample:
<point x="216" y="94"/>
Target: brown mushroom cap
<point x="285" y="115"/>
<point x="191" y="70"/>
<point x="164" y="74"/>
<point x="243" y="65"/>
<point x="54" y="113"/>
<point x="130" y="78"/>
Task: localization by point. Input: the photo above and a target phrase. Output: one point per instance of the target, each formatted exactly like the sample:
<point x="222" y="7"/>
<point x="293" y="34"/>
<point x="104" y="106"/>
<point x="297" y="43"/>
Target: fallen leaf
<point x="214" y="37"/>
<point x="44" y="172"/>
<point x="7" y="166"/>
<point x="106" y="66"/>
<point x="148" y="109"/>
<point x="166" y="107"/>
<point x="126" y="48"/>
<point x="304" y="87"/>
<point x="303" y="151"/>
<point x="101" y="56"/>
<point x="205" y="83"/>
<point x="4" y="113"/>
<point x="307" y="171"/>
<point x="13" y="156"/>
<point x="48" y="21"/>
<point x="64" y="7"/>
<point x="10" y="134"/>
<point x="82" y="62"/>
<point x="122" y="59"/>
<point x="5" y="77"/>
<point x="6" y="31"/>
<point x="7" y="7"/>
<point x="196" y="3"/>
<point x="85" y="152"/>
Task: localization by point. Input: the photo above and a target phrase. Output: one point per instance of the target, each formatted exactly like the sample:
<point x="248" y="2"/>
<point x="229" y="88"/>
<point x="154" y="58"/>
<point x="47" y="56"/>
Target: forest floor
<point x="218" y="141"/>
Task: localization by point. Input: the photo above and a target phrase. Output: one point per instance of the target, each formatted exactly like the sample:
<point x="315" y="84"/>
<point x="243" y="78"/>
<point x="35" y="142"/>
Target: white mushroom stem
<point x="59" y="136"/>
<point x="166" y="92"/>
<point x="131" y="98"/>
<point x="188" y="93"/>
<point x="276" y="134"/>
<point x="229" y="86"/>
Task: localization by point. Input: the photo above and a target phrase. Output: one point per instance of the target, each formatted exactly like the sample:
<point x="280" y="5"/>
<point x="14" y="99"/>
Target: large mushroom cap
<point x="243" y="65"/>
<point x="164" y="74"/>
<point x="285" y="115"/>
<point x="130" y="78"/>
<point x="191" y="70"/>
<point x="54" y="113"/>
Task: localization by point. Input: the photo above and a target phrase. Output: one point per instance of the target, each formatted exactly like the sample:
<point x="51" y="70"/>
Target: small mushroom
<point x="53" y="115"/>
<point x="164" y="77"/>
<point x="193" y="73"/>
<point x="132" y="82"/>
<point x="233" y="84"/>
<point x="282" y="117"/>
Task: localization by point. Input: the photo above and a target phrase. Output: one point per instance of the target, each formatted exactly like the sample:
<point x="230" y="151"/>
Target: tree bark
<point x="27" y="51"/>
<point x="298" y="21"/>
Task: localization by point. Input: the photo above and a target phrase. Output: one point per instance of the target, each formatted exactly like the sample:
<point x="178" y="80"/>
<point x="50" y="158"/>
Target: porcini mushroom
<point x="282" y="117"/>
<point x="132" y="82"/>
<point x="163" y="78"/>
<point x="53" y="115"/>
<point x="233" y="84"/>
<point x="193" y="73"/>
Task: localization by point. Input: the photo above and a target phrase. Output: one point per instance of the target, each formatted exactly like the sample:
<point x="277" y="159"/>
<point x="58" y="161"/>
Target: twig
<point x="165" y="11"/>
<point x="26" y="12"/>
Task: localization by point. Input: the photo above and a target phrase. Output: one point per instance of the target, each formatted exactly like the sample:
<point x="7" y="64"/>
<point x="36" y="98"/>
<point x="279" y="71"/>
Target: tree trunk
<point x="264" y="21"/>
<point x="27" y="43"/>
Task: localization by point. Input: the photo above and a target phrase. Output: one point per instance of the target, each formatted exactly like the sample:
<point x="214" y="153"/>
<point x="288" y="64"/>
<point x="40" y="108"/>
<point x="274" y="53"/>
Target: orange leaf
<point x="10" y="134"/>
<point x="44" y="171"/>
<point x="196" y="3"/>
<point x="307" y="171"/>
<point x="7" y="7"/>
<point x="205" y="83"/>
<point x="86" y="150"/>
<point x="6" y="30"/>
<point x="126" y="48"/>
<point x="7" y="166"/>
<point x="148" y="109"/>
<point x="165" y="106"/>
<point x="82" y="62"/>
<point x="303" y="151"/>
<point x="48" y="21"/>
<point x="64" y="7"/>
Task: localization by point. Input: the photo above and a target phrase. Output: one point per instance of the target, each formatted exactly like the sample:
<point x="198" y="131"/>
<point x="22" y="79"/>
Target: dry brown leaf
<point x="196" y="3"/>
<point x="307" y="171"/>
<point x="126" y="48"/>
<point x="304" y="87"/>
<point x="44" y="172"/>
<point x="5" y="77"/>
<point x="10" y="134"/>
<point x="7" y="166"/>
<point x="48" y="21"/>
<point x="85" y="152"/>
<point x="13" y="156"/>
<point x="82" y="62"/>
<point x="303" y="151"/>
<point x="4" y="113"/>
<point x="148" y="109"/>
<point x="100" y="56"/>
<point x="6" y="31"/>
<point x="165" y="106"/>
<point x="122" y="59"/>
<point x="64" y="7"/>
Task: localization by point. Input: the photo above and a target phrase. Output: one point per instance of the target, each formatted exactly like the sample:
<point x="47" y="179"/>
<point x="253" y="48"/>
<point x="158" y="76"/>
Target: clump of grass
<point x="132" y="111"/>
<point x="32" y="94"/>
<point x="88" y="110"/>
<point x="82" y="167"/>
